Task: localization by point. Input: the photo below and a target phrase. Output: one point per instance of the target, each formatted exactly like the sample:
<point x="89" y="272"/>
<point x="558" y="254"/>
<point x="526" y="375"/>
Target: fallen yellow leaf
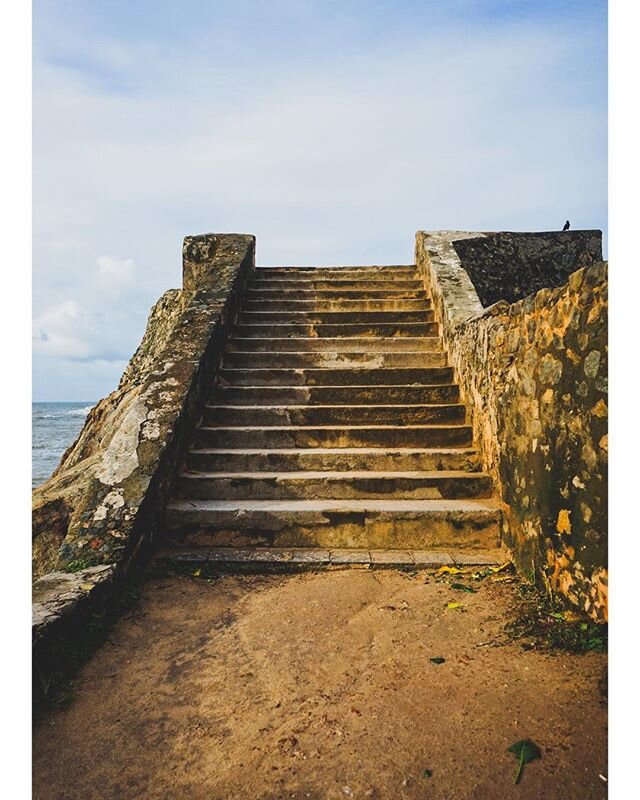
<point x="454" y="605"/>
<point x="448" y="571"/>
<point x="86" y="586"/>
<point x="501" y="567"/>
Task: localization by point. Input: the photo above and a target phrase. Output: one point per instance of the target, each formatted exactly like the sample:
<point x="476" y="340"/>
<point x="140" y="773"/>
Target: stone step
<point x="329" y="360"/>
<point x="334" y="459"/>
<point x="267" y="559"/>
<point x="332" y="294"/>
<point x="342" y="317"/>
<point x="409" y="344"/>
<point x="384" y="524"/>
<point x="235" y="415"/>
<point x="335" y="436"/>
<point x="335" y="284"/>
<point x="335" y="395"/>
<point x="391" y="272"/>
<point x="334" y="430"/>
<point x="333" y="485"/>
<point x="344" y="330"/>
<point x="336" y="304"/>
<point x="398" y="376"/>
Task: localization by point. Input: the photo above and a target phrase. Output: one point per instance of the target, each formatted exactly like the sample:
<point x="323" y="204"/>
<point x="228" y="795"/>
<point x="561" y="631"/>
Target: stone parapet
<point x="534" y="373"/>
<point x="510" y="265"/>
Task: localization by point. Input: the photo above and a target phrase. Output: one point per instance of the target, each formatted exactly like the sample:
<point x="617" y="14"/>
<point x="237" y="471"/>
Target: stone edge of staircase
<point x="216" y="268"/>
<point x="261" y="559"/>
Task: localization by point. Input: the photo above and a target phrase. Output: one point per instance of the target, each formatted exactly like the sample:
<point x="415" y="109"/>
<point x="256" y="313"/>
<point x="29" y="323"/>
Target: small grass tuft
<point x="551" y="626"/>
<point x="77" y="566"/>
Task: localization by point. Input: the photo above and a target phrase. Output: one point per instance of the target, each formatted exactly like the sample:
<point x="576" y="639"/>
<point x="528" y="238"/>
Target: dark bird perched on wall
<point x="567" y="225"/>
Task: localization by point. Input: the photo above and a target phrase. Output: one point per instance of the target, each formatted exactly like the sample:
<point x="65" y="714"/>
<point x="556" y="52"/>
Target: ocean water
<point x="54" y="426"/>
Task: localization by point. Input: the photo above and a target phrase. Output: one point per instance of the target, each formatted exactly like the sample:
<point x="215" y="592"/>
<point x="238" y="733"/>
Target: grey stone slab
<point x="231" y="554"/>
<point x="427" y="558"/>
<point x="350" y="557"/>
<point x="391" y="557"/>
<point x="273" y="555"/>
<point x="311" y="555"/>
<point x="60" y="594"/>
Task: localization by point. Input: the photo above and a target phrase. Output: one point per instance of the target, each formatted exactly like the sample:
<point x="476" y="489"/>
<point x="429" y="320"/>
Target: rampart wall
<point x="535" y="374"/>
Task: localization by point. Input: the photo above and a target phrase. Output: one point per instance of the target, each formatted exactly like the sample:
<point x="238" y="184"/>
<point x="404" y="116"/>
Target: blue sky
<point x="331" y="130"/>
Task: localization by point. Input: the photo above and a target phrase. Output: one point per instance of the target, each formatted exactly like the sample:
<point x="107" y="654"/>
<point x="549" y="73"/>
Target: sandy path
<point x="320" y="686"/>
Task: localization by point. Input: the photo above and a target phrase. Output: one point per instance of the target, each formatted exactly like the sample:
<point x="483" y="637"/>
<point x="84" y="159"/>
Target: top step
<point x="334" y="284"/>
<point x="351" y="273"/>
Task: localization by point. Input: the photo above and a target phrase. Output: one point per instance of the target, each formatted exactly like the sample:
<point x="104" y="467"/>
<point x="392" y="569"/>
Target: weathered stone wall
<point x="55" y="499"/>
<point x="53" y="502"/>
<point x="107" y="497"/>
<point x="509" y="266"/>
<point x="535" y="374"/>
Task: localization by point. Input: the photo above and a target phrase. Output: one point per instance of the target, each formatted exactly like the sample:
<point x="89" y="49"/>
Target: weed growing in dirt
<point x="551" y="626"/>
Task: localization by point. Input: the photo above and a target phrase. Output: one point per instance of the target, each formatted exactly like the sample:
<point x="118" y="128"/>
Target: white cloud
<point x="120" y="270"/>
<point x="56" y="332"/>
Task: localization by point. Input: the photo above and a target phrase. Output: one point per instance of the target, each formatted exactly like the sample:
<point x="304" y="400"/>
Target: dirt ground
<point x="320" y="685"/>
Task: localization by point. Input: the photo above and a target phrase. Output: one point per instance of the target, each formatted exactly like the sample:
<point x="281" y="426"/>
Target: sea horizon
<point x="90" y="403"/>
<point x="55" y="425"/>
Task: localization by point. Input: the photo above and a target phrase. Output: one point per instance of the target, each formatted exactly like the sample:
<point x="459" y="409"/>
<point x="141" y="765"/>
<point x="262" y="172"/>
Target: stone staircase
<point x="334" y="433"/>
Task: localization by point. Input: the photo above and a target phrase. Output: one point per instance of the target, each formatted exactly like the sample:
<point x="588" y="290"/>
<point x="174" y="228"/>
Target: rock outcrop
<point x="55" y="500"/>
<point x="103" y="499"/>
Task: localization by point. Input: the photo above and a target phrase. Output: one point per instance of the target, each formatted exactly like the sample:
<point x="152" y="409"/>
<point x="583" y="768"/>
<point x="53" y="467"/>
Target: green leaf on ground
<point x="525" y="751"/>
<point x="427" y="773"/>
<point x="437" y="660"/>
<point x="463" y="588"/>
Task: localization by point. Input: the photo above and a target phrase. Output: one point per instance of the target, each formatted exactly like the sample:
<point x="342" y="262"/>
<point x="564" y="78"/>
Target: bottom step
<point x="369" y="524"/>
<point x="263" y="558"/>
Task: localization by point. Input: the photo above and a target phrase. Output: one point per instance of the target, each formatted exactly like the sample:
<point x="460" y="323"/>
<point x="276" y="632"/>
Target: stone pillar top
<point x="204" y="254"/>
